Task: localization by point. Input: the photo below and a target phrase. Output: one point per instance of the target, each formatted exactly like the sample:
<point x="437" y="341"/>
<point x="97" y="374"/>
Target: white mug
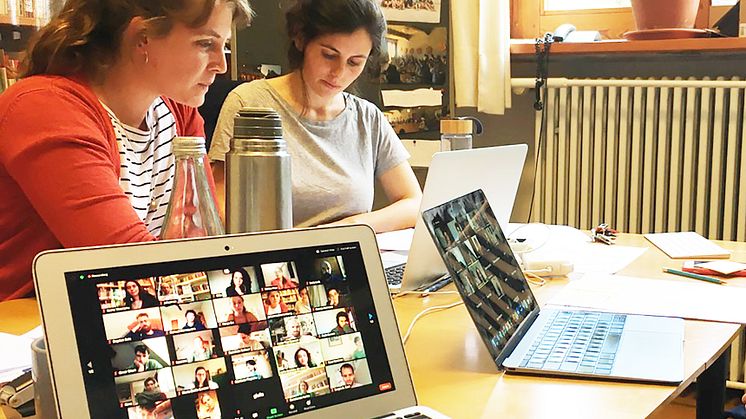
<point x="44" y="402"/>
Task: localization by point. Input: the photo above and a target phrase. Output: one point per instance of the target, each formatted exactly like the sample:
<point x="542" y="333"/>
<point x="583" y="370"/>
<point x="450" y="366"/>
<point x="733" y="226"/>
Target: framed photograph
<point x="427" y="11"/>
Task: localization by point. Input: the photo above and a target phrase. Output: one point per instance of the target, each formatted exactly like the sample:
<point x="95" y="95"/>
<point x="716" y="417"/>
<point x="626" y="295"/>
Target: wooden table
<point x="454" y="373"/>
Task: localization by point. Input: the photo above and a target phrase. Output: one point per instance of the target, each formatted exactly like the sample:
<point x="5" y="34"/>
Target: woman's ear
<point x="299" y="43"/>
<point x="135" y="36"/>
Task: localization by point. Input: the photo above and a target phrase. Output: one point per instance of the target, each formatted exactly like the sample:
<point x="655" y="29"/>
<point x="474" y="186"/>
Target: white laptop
<point x="520" y="337"/>
<point x="495" y="170"/>
<point x="283" y="324"/>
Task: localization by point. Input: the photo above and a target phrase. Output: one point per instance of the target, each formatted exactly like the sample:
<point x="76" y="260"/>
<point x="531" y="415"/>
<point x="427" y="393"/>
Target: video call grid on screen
<point x="254" y="335"/>
<point x="480" y="260"/>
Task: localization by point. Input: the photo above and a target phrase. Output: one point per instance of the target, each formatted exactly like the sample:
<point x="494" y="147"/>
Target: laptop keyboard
<point x="577" y="341"/>
<point x="394" y="275"/>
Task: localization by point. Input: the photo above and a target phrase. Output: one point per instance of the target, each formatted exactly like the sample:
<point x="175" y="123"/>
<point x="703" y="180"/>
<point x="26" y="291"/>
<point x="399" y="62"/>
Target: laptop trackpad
<point x="651" y="348"/>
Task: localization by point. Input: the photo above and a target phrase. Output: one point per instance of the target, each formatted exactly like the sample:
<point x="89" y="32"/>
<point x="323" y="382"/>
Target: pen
<point x="693" y="276"/>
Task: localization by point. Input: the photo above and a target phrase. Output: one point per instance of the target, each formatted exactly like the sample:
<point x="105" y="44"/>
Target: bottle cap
<point x="257" y="123"/>
<point x="456" y="126"/>
<point x="188" y="145"/>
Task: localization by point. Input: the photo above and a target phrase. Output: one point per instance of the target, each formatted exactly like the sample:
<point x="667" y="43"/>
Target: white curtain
<point x="481" y="54"/>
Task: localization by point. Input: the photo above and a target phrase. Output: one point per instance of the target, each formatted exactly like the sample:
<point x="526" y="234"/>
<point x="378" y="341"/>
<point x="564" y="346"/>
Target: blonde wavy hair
<point x="85" y="37"/>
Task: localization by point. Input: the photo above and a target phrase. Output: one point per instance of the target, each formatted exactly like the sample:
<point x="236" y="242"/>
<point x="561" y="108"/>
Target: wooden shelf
<point x="18" y="21"/>
<point x="637" y="47"/>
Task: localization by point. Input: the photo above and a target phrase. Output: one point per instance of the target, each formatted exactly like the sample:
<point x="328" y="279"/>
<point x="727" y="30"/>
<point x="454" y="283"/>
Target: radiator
<point x="644" y="156"/>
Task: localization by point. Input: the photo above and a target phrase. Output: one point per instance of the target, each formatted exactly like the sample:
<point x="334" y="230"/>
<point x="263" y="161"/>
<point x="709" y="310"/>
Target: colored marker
<point x="693" y="276"/>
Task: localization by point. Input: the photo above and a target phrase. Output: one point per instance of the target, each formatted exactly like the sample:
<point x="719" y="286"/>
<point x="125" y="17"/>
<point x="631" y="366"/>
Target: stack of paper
<point x="15" y="354"/>
<point x="687" y="245"/>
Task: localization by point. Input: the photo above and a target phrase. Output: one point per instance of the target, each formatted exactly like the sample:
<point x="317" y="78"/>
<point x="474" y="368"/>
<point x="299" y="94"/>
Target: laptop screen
<point x="483" y="267"/>
<point x="260" y="335"/>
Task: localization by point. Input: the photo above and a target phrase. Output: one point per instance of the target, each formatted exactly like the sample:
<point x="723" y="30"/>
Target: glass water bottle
<point x="191" y="210"/>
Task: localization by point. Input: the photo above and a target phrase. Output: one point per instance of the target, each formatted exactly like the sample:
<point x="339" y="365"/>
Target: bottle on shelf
<point x="456" y="133"/>
<point x="191" y="210"/>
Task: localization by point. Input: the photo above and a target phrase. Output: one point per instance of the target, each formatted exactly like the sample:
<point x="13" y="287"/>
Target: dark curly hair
<point x="309" y="19"/>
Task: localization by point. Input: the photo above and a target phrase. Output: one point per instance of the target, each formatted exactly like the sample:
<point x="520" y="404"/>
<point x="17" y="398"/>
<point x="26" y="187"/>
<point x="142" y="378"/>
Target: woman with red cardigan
<point x="85" y="155"/>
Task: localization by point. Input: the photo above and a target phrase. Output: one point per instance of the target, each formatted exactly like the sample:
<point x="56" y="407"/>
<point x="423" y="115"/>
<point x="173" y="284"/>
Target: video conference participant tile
<point x="244" y="337"/>
<point x="291" y="329"/>
<point x="133" y="325"/>
<point x="305" y="382"/>
<point x="195" y="346"/>
<point x="239" y="309"/>
<point x="180" y="318"/>
<point x="183" y="288"/>
<point x="231" y="282"/>
<point x="281" y="275"/>
<point x="130" y="294"/>
<point x="140" y="356"/>
<point x="130" y="386"/>
<point x="335" y="322"/>
<point x="205" y="375"/>
<point x="347" y="375"/>
<point x="299" y="355"/>
<point x="342" y="348"/>
<point x="251" y="366"/>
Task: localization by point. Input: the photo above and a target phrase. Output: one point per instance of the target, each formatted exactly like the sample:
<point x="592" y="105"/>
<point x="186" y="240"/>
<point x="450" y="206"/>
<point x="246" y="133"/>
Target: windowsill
<point x="621" y="46"/>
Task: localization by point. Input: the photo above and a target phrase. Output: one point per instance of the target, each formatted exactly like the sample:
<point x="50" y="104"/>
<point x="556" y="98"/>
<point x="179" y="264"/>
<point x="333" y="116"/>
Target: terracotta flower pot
<point x="660" y="14"/>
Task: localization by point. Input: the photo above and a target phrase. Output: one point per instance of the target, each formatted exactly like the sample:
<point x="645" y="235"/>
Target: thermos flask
<point x="257" y="171"/>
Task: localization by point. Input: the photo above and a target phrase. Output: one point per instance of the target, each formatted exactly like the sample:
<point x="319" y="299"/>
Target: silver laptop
<point x="495" y="170"/>
<point x="293" y="323"/>
<point x="522" y="338"/>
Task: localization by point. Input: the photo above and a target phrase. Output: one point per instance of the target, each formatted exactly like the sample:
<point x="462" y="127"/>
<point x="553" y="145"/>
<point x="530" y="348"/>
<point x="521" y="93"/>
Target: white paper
<point x="15" y="352"/>
<point x="686" y="245"/>
<point x="34" y="333"/>
<point x="725" y="267"/>
<point x="395" y="240"/>
<point x="676" y="297"/>
<point x="562" y="243"/>
<point x="412" y="98"/>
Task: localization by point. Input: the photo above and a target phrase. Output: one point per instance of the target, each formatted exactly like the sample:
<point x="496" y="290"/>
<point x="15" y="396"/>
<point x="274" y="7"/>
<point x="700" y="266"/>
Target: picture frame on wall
<point x="426" y="11"/>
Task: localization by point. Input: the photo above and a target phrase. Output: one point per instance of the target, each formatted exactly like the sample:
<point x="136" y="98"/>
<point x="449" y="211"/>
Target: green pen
<point x="694" y="276"/>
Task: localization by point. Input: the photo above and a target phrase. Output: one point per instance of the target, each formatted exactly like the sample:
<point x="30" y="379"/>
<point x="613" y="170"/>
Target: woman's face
<point x="304" y="295"/>
<point x="184" y="63"/>
<point x="190" y="317"/>
<point x="278" y="273"/>
<point x="237" y="303"/>
<point x="200" y="375"/>
<point x="303" y="386"/>
<point x="237" y="279"/>
<point x="197" y="343"/>
<point x="332" y="62"/>
<point x="132" y="288"/>
<point x="302" y="358"/>
<point x="274" y="299"/>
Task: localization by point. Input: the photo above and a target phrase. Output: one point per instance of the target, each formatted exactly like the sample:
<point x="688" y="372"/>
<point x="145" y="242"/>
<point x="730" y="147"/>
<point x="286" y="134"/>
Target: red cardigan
<point x="59" y="175"/>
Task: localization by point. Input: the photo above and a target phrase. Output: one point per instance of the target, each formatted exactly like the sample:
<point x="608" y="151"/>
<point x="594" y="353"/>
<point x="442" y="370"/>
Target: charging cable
<point x="424" y="313"/>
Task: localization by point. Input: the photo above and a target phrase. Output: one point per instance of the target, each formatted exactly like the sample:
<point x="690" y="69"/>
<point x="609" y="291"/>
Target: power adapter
<point x="556" y="267"/>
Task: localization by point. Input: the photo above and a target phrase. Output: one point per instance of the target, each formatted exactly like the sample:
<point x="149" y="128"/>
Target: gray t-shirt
<point x="334" y="163"/>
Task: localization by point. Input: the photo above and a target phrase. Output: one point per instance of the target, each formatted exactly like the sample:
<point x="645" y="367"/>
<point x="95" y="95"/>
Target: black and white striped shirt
<point x="146" y="168"/>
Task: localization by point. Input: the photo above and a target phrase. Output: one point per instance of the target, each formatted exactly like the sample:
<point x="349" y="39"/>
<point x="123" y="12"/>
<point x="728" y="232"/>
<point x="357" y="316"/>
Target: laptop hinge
<point x="517" y="336"/>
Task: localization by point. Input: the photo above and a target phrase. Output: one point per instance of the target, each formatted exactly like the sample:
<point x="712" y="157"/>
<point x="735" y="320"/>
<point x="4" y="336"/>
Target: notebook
<point x="283" y="324"/>
<point x="687" y="245"/>
<point x="524" y="339"/>
<point x="495" y="170"/>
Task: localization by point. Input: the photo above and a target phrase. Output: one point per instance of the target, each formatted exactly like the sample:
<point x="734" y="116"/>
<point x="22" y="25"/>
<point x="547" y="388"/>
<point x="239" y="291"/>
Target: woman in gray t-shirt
<point x="339" y="143"/>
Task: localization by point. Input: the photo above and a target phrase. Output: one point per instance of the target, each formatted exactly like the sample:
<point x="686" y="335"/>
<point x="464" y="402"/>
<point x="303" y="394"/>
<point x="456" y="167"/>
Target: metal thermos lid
<point x="257" y="123"/>
<point x="188" y="145"/>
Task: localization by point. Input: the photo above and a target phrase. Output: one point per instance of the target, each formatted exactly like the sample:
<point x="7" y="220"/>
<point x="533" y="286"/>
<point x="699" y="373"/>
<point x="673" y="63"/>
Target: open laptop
<point x="495" y="170"/>
<point x="521" y="337"/>
<point x="290" y="323"/>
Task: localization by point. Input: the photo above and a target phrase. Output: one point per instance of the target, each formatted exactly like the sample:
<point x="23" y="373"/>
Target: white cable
<point x="531" y="248"/>
<point x="424" y="313"/>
